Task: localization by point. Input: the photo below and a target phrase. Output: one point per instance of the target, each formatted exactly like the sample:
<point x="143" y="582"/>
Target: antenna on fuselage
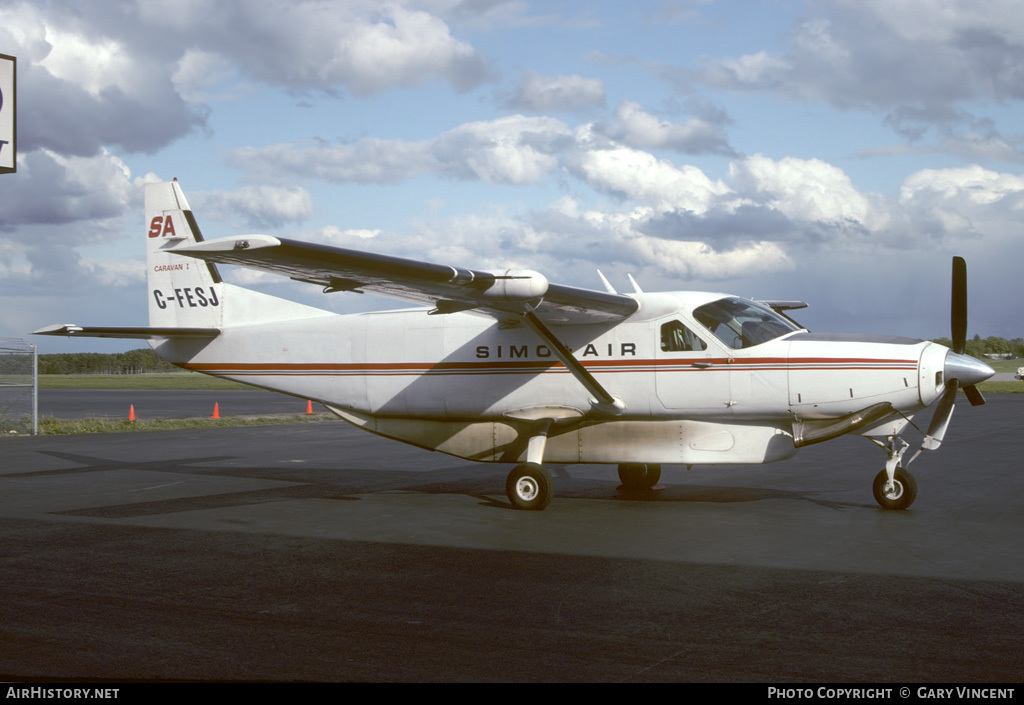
<point x="607" y="284"/>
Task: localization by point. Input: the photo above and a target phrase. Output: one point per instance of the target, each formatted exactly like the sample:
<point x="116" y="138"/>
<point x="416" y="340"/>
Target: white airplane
<point x="506" y="367"/>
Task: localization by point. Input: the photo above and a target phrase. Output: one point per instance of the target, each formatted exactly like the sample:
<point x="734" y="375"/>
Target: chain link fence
<point x="19" y="409"/>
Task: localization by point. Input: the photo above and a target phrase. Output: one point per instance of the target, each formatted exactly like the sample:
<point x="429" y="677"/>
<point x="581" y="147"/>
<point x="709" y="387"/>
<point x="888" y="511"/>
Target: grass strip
<point x="50" y="425"/>
<point x="156" y="380"/>
<point x="1009" y="387"/>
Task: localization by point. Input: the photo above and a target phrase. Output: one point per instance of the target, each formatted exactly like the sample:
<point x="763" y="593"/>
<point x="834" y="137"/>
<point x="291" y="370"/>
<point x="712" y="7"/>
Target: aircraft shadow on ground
<point x="485" y="483"/>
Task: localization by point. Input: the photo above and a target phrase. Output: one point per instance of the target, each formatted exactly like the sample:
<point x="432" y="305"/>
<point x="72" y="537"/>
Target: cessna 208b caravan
<point x="507" y="367"/>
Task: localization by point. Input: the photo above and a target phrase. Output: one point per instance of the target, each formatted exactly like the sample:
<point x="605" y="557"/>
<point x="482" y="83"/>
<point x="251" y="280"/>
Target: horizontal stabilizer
<point x="140" y="332"/>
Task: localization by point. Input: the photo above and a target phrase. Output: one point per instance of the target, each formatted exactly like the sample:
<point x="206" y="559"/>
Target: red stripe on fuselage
<point x="549" y="365"/>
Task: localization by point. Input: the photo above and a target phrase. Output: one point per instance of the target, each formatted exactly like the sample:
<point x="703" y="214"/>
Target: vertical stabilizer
<point x="187" y="293"/>
<point x="182" y="293"/>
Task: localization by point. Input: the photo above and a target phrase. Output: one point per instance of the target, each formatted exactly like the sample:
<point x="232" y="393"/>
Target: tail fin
<point x="187" y="293"/>
<point x="182" y="293"/>
<point x="188" y="302"/>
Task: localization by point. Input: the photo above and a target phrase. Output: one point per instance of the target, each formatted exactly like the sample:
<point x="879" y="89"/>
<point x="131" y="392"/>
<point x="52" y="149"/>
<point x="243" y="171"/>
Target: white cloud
<point x="131" y="75"/>
<point x="258" y="206"/>
<point x="412" y="47"/>
<point x="202" y="75"/>
<point x="673" y="218"/>
<point x="92" y="65"/>
<point x="698" y="260"/>
<point x="541" y="94"/>
<point x="81" y="88"/>
<point x="334" y="234"/>
<point x="972" y="202"/>
<point x="115" y="273"/>
<point x="972" y="183"/>
<point x="52" y="189"/>
<point x="928" y="66"/>
<point x="569" y="244"/>
<point x="369" y="160"/>
<point x="635" y="127"/>
<point x="885" y="54"/>
<point x="510" y="150"/>
<point x="758" y="70"/>
<point x="803" y="189"/>
<point x="640" y="176"/>
<point x="364" y="46"/>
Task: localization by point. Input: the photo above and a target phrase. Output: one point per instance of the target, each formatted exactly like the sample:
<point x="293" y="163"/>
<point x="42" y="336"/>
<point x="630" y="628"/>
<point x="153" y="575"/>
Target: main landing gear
<point x="894" y="487"/>
<point x="529" y="485"/>
<point x="636" y="477"/>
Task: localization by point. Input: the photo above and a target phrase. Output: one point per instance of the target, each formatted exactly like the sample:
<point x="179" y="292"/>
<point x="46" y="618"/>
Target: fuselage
<point x="408" y="363"/>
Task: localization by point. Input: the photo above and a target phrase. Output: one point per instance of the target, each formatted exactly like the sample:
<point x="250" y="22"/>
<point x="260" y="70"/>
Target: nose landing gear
<point x="899" y="493"/>
<point x="894" y="487"/>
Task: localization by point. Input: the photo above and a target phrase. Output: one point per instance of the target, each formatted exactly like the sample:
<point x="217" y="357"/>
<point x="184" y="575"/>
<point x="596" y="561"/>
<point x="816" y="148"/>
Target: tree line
<point x="133" y="362"/>
<point x="979" y="347"/>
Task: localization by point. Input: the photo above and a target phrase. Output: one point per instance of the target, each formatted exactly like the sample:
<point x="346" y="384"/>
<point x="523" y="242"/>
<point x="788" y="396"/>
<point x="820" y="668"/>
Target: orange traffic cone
<point x="216" y="411"/>
<point x="309" y="406"/>
<point x="131" y="413"/>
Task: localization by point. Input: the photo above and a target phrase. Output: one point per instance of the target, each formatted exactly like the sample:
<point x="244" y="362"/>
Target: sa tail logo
<point x="161" y="227"/>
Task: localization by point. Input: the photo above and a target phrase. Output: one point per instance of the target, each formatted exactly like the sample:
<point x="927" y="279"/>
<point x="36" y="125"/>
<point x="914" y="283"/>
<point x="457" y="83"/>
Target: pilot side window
<point x="676" y="337"/>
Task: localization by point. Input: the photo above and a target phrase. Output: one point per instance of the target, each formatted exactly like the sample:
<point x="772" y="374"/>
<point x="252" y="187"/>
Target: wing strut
<point x="603" y="400"/>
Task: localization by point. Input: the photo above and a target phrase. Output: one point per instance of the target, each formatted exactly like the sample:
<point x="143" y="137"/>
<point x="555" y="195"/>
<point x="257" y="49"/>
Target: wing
<point x="447" y="288"/>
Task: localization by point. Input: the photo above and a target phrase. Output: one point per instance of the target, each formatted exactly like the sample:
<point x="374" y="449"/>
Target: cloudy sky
<point x="835" y="151"/>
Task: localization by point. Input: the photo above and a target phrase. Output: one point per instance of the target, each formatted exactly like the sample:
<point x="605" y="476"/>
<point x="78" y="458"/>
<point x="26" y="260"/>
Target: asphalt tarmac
<point x="316" y="552"/>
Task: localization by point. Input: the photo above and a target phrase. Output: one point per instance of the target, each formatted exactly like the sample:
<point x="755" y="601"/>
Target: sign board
<point x="8" y="120"/>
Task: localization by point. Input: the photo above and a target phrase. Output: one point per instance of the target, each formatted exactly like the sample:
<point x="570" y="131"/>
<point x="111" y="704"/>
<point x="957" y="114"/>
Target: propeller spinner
<point x="960" y="370"/>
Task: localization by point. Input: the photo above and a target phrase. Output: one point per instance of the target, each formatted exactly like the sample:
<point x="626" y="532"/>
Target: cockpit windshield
<point x="739" y="323"/>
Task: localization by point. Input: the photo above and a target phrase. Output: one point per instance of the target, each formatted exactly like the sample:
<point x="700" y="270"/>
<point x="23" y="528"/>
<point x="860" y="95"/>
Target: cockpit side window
<point x="676" y="337"/>
<point x="742" y="324"/>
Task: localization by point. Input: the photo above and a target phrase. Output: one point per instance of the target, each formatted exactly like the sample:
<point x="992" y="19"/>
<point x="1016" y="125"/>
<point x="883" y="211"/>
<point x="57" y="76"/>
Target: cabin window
<point x="739" y="323"/>
<point x="676" y="337"/>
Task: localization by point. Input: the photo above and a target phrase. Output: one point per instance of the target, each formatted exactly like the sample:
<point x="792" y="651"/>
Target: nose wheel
<point x="894" y="488"/>
<point x="899" y="493"/>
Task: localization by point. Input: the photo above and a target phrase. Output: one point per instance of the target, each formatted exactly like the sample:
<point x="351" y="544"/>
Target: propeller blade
<point x="940" y="421"/>
<point x="974" y="395"/>
<point x="959" y="369"/>
<point x="958" y="309"/>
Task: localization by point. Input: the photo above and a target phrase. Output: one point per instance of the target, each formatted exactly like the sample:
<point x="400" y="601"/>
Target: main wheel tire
<point x="639" y="476"/>
<point x="529" y="486"/>
<point x="901" y="495"/>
